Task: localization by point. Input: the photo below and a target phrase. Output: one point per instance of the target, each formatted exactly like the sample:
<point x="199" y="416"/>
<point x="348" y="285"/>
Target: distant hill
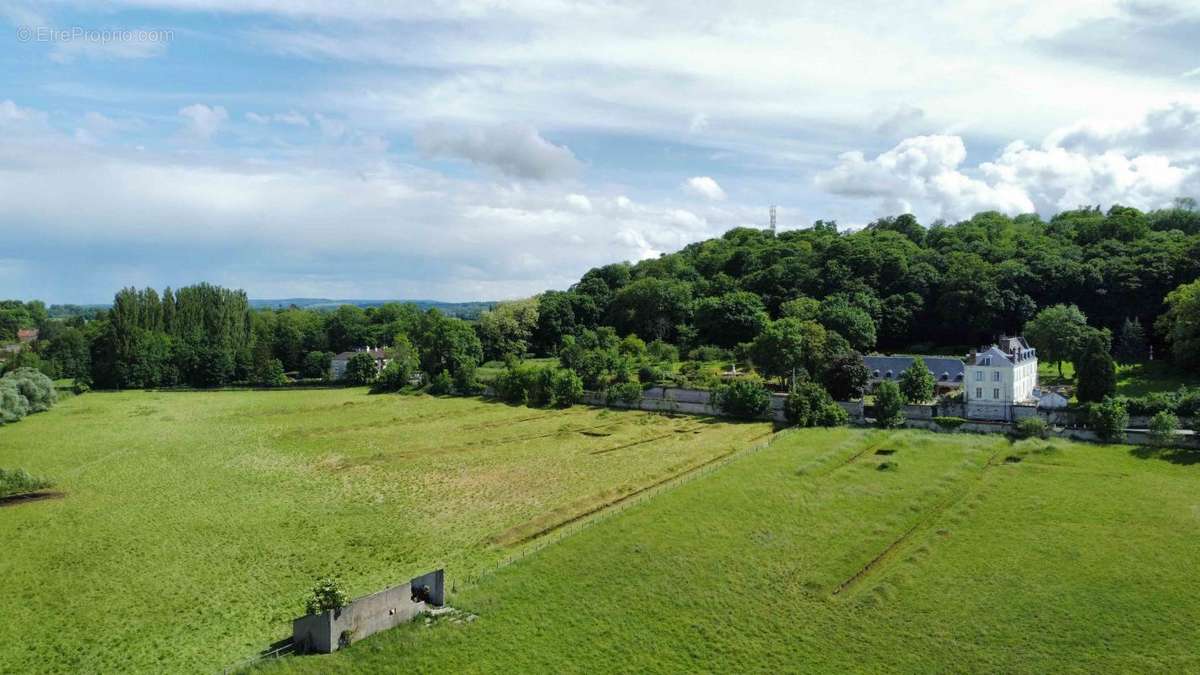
<point x="463" y="310"/>
<point x="466" y="310"/>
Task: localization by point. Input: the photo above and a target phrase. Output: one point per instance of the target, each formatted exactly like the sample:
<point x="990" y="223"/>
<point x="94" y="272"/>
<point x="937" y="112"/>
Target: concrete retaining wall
<point x="368" y="615"/>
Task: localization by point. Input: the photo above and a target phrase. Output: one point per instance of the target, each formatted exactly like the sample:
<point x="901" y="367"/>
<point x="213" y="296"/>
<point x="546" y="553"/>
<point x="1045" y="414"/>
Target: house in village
<point x="947" y="370"/>
<point x="27" y="335"/>
<point x="999" y="377"/>
<point x="337" y="367"/>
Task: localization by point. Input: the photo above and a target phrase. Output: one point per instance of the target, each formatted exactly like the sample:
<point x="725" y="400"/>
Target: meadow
<point x="193" y="523"/>
<point x="850" y="551"/>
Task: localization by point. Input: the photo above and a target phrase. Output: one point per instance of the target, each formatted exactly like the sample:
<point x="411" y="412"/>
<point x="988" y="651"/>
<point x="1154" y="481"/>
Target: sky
<point x="487" y="150"/>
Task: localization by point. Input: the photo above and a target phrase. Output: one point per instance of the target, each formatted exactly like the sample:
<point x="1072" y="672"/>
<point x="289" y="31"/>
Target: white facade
<point x="1000" y="377"/>
<point x="337" y="366"/>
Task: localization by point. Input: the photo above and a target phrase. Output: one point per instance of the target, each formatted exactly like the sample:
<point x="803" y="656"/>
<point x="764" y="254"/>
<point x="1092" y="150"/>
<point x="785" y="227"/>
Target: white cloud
<point x="1144" y="163"/>
<point x="514" y="150"/>
<point x="579" y="202"/>
<point x="706" y="187"/>
<point x="292" y="118"/>
<point x="202" y="121"/>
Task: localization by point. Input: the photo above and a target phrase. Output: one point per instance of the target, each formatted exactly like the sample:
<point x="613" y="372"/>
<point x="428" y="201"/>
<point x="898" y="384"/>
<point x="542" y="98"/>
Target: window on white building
<point x="996" y="394"/>
<point x="995" y="376"/>
<point x="978" y="392"/>
<point x="979" y="376"/>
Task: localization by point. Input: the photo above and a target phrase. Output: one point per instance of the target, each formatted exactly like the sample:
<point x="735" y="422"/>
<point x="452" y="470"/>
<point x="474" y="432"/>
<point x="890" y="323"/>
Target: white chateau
<point x="999" y="377"/>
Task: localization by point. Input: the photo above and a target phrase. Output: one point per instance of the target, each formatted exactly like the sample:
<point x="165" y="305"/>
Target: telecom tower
<point x="772" y="219"/>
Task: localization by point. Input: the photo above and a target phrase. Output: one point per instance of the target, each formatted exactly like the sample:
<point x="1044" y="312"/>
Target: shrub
<point x="512" y="384"/>
<point x="1188" y="402"/>
<point x="627" y="393"/>
<point x="441" y="384"/>
<point x="36" y="388"/>
<point x="568" y="388"/>
<point x="746" y="399"/>
<point x="949" y="423"/>
<point x="17" y="482"/>
<point x="465" y="380"/>
<point x="1030" y="427"/>
<point x="1162" y="429"/>
<point x="889" y="405"/>
<point x="393" y="377"/>
<point x="650" y="374"/>
<point x="1109" y="420"/>
<point x="326" y="595"/>
<point x="13" y="406"/>
<point x="710" y="353"/>
<point x="272" y="374"/>
<point x="662" y="352"/>
<point x="809" y="405"/>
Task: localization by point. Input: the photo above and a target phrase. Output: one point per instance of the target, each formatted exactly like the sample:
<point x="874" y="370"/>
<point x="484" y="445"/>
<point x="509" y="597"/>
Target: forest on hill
<point x="810" y="299"/>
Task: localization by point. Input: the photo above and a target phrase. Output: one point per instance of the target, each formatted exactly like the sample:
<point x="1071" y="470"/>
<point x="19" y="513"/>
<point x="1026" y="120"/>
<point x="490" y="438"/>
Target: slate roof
<point x="945" y="369"/>
<point x="375" y="354"/>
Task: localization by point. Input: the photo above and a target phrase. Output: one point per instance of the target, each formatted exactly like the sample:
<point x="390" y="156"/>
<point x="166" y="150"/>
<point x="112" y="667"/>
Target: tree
<point x="272" y="374"/>
<point x="889" y="405"/>
<point x="803" y="308"/>
<point x="809" y="405"/>
<point x="402" y="365"/>
<point x="347" y="328"/>
<point x="316" y="364"/>
<point x="508" y="328"/>
<point x="1131" y="341"/>
<point x="849" y="321"/>
<point x="846" y="376"/>
<point x="789" y="346"/>
<point x="1180" y="325"/>
<point x="1095" y="372"/>
<point x="68" y="351"/>
<point x="361" y="369"/>
<point x="746" y="399"/>
<point x="1162" y="429"/>
<point x="916" y="382"/>
<point x="1109" y="419"/>
<point x="447" y="344"/>
<point x="730" y="319"/>
<point x="651" y="307"/>
<point x="1057" y="332"/>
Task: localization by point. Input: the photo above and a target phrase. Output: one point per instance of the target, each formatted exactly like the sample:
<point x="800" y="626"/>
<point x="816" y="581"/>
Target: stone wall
<point x="368" y="615"/>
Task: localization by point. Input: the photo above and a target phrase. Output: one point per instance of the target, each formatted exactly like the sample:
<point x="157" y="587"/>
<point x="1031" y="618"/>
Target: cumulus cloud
<point x="706" y="187"/>
<point x="512" y="149"/>
<point x="1145" y="164"/>
<point x="1172" y="130"/>
<point x="201" y="121"/>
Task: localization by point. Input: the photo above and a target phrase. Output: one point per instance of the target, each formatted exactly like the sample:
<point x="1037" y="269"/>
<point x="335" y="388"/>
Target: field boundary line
<point x="925" y="520"/>
<point x="552" y="534"/>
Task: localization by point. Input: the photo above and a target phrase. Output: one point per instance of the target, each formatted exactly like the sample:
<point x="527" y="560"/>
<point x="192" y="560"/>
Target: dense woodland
<point x="1122" y="281"/>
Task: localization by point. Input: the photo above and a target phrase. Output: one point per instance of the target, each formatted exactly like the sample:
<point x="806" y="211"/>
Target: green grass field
<point x="971" y="554"/>
<point x="1133" y="379"/>
<point x="194" y="523"/>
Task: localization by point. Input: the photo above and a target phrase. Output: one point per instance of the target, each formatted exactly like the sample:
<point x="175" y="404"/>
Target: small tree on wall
<point x="326" y="595"/>
<point x="916" y="383"/>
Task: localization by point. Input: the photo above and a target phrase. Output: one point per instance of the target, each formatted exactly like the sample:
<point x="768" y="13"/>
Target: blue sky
<point x="489" y="150"/>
